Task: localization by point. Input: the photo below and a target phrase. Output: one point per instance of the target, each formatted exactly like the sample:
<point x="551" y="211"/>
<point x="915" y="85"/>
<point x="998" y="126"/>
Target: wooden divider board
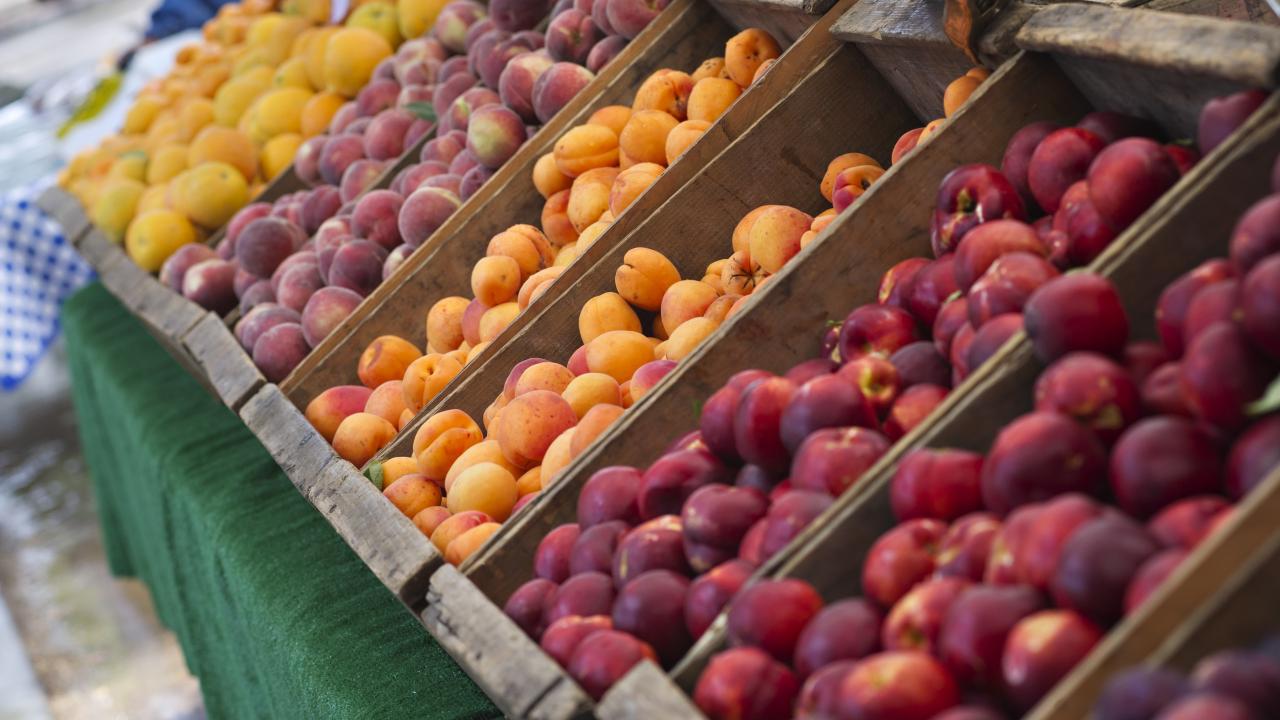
<point x="63" y="207"/>
<point x="223" y="361"/>
<point x="393" y="548"/>
<point x="687" y="32"/>
<point x="1187" y="226"/>
<point x="786" y="19"/>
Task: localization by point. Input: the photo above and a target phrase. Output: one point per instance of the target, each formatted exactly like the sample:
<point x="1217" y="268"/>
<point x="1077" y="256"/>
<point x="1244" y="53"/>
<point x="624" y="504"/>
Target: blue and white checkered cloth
<point x="39" y="269"/>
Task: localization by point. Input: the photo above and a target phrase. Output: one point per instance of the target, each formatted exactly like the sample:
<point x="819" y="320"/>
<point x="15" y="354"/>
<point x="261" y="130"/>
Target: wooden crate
<point x="687" y="32"/>
<point x="1186" y="227"/>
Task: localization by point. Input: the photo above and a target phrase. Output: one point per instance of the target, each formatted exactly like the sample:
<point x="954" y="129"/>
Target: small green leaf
<point x="697" y="407"/>
<point x="834" y="323"/>
<point x="374" y="473"/>
<point x="1268" y="403"/>
<point x="1185" y="142"/>
<point x="423" y="110"/>
<point x="953" y="296"/>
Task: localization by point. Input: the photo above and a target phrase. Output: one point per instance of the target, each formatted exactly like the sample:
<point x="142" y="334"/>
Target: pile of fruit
<point x="1233" y="684"/>
<point x="772" y="452"/>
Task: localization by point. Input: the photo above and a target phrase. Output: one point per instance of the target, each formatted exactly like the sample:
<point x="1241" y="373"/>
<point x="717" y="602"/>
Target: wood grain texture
<point x="686" y="32"/>
<point x="290" y="440"/>
<point x="229" y="369"/>
<point x="522" y="680"/>
<point x="63" y="207"/>
<point x="167" y="311"/>
<point x="645" y="693"/>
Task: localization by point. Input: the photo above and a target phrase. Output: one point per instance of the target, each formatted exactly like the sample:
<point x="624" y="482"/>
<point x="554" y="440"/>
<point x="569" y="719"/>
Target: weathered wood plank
<point x="64" y="208"/>
<point x="231" y="372"/>
<point x="645" y="693"/>
<point x="290" y="440"/>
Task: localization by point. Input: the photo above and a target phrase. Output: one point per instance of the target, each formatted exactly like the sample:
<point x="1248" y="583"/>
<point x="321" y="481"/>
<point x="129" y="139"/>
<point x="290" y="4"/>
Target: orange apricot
<point x="543" y="376"/>
<point x="746" y="51"/>
<point x="614" y="117"/>
<point x="741" y="275"/>
<point x="495" y="279"/>
<point x="686" y="338"/>
<point x="558" y="456"/>
<point x="712" y="275"/>
<point x="528" y="425"/>
<point x="487" y="451"/>
<point x="682" y="137"/>
<point x="957" y="92"/>
<point x="589" y="196"/>
<point x="590" y="389"/>
<point x="555" y="220"/>
<point x="430" y="518"/>
<point x="526" y="245"/>
<point x="444" y="324"/>
<point x="466" y="544"/>
<point x="533" y="287"/>
<point x="547" y="178"/>
<point x="530" y="481"/>
<point x="584" y="148"/>
<point x="593" y="424"/>
<point x="386" y="358"/>
<point x="411" y="494"/>
<point x="603" y="313"/>
<point x="618" y="353"/>
<point x="839" y="164"/>
<point x="387" y="402"/>
<point x="685" y="300"/>
<point x="742" y="230"/>
<point x="711" y="97"/>
<point x="397" y="467"/>
<point x="360" y="436"/>
<point x="775" y="236"/>
<point x="764" y="68"/>
<point x="426" y="377"/>
<point x="328" y="409"/>
<point x="666" y="90"/>
<point x="487" y="487"/>
<point x="496" y="319"/>
<point x="455" y="525"/>
<point x="710" y="68"/>
<point x="644" y="276"/>
<point x="644" y="139"/>
<point x="631" y="184"/>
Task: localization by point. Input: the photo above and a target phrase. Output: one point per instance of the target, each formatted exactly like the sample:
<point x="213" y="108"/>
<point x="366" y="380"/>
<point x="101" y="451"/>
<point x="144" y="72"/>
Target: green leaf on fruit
<point x="834" y="323"/>
<point x="423" y="110"/>
<point x="1268" y="403"/>
<point x="1185" y="142"/>
<point x="953" y="296"/>
<point x="697" y="408"/>
<point x="374" y="473"/>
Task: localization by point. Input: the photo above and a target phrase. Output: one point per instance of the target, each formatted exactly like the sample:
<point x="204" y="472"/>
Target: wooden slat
<point x="785" y="19"/>
<point x="65" y="209"/>
<point x="290" y="440"/>
<point x="645" y="693"/>
<point x="230" y="371"/>
<point x="513" y="671"/>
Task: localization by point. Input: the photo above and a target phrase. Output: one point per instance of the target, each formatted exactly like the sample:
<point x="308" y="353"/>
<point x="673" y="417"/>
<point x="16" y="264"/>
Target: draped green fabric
<point x="277" y="617"/>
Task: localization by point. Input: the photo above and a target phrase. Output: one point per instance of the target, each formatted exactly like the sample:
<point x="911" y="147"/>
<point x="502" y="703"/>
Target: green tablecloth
<point x="277" y="617"/>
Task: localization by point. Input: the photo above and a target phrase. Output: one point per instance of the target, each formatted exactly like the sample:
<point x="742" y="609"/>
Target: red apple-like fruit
<point x="1061" y="159"/>
<point x="1092" y="389"/>
<point x="589" y="593"/>
<point x="1221" y="116"/>
<point x="966" y="547"/>
<point x="720" y="515"/>
<point x="670" y="480"/>
<point x="1139" y="693"/>
<point x="1185" y="523"/>
<point x="563" y="636"/>
<point x="896" y="280"/>
<point x="877" y="379"/>
<point x="790" y="513"/>
<point x="1259" y="307"/>
<point x="744" y="683"/>
<point x="653" y="545"/>
<point x="976" y="626"/>
<point x="1175" y="300"/>
<point x="844" y="630"/>
<point x="1041" y="649"/>
<point x="528" y="604"/>
<point x="937" y="484"/>
<point x="1037" y="550"/>
<point x="901" y="558"/>
<point x="610" y="494"/>
<point x="1006" y="285"/>
<point x="717" y="421"/>
<point x="594" y="549"/>
<point x="1253" y="457"/>
<point x="1255" y="236"/>
<point x="1127" y="178"/>
<point x="711" y="592"/>
<point x="831" y="460"/>
<point x="1097" y="564"/>
<point x="930" y="288"/>
<point x="1039" y="456"/>
<point x="988" y="242"/>
<point x="1079" y="311"/>
<point x="967" y="197"/>
<point x="911" y="408"/>
<point x="1151" y="576"/>
<point x="651" y="607"/>
<point x="879" y="329"/>
<point x="1017" y="154"/>
<point x="915" y="621"/>
<point x="757" y="424"/>
<point x="603" y="657"/>
<point x="1222" y="373"/>
<point x="1161" y="460"/>
<point x="551" y="560"/>
<point x="903" y="685"/>
<point x="826" y="401"/>
<point x="920" y="363"/>
<point x="771" y="614"/>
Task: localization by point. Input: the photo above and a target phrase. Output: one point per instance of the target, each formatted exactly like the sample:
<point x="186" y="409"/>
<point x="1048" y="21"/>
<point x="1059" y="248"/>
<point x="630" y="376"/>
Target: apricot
<point x="746" y="52"/>
<point x="665" y="90"/>
<point x="426" y="377"/>
<point x="741" y="275"/>
<point x="386" y="358"/>
<point x="445" y="445"/>
<point x="685" y="300"/>
<point x="775" y="236"/>
<point x="486" y="487"/>
<point x="463" y="546"/>
<point x="819" y="224"/>
<point x="526" y="245"/>
<point x="719" y="308"/>
<point x="618" y="353"/>
<point x="411" y="494"/>
<point x="584" y="148"/>
<point x="558" y="455"/>
<point x="495" y="279"/>
<point x="929" y="130"/>
<point x="764" y="68"/>
<point x="535" y="285"/>
<point x="603" y="313"/>
<point x="496" y="319"/>
<point x="589" y="196"/>
<point x="544" y="376"/>
<point x="711" y="97"/>
<point x="529" y="482"/>
<point x="455" y="525"/>
<point x="644" y="277"/>
<point x="430" y="518"/>
<point x="631" y="184"/>
<point x="471" y="321"/>
<point x="713" y="273"/>
<point x="839" y="164"/>
<point x="590" y="389"/>
<point x="644" y="139"/>
<point x="686" y="338"/>
<point x="592" y="232"/>
<point x="566" y="255"/>
<point x="547" y="178"/>
<point x="360" y="436"/>
<point x="851" y="183"/>
<point x="474" y="352"/>
<point x="328" y="409"/>
<point x="444" y="324"/>
<point x="682" y="137"/>
<point x="387" y="402"/>
<point x="957" y="92"/>
<point x="397" y="467"/>
<point x="614" y="117"/>
<point x="710" y="68"/>
<point x="528" y="425"/>
<point x="742" y="231"/>
<point x="593" y="424"/>
<point x="487" y="451"/>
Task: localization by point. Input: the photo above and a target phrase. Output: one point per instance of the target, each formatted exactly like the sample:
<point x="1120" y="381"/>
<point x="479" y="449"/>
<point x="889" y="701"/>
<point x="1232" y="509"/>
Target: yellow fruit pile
<point x="200" y="143"/>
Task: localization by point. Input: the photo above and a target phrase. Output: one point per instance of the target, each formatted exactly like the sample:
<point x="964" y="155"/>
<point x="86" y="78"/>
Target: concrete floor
<point x="90" y="645"/>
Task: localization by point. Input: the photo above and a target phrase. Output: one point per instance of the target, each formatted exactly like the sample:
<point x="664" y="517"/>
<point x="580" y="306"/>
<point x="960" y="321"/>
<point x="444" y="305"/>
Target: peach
<point x="386" y="358"/>
<point x="487" y="451"/>
<point x="647" y="376"/>
<point x="604" y="313"/>
<point x="644" y="277"/>
<point x="685" y="300"/>
<point x="557" y="86"/>
<point x="463" y="546"/>
<point x="819" y="224"/>
<point x="426" y="377"/>
<point x="529" y="423"/>
<point x="444" y="324"/>
<point x="838" y="165"/>
<point x="495" y="279"/>
<point x="547" y="178"/>
<point x="593" y="424"/>
<point x="746" y="52"/>
<point x="710" y="68"/>
<point x="387" y="402"/>
<point x="496" y="319"/>
<point x="360" y="436"/>
<point x="278" y="351"/>
<point x="526" y="245"/>
<point x="411" y="494"/>
<point x="589" y="196"/>
<point x="686" y="338"/>
<point x="486" y="487"/>
<point x="590" y="389"/>
<point x="431" y="518"/>
<point x="628" y="17"/>
<point x="424" y="211"/>
<point x="711" y="97"/>
<point x="666" y="91"/>
<point x="555" y="220"/>
<point x="529" y="482"/>
<point x="454" y="526"/>
<point x="325" y="310"/>
<point x="682" y="137"/>
<point x="644" y="139"/>
<point x="537" y="283"/>
<point x="328" y="409"/>
<point x="631" y="184"/>
<point x="397" y="467"/>
<point x="494" y="133"/>
<point x="558" y="455"/>
<point x="614" y="117"/>
<point x="586" y="147"/>
<point x="775" y="236"/>
<point x="618" y="353"/>
<point x="543" y="376"/>
<point x="517" y="80"/>
<point x="441" y="440"/>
